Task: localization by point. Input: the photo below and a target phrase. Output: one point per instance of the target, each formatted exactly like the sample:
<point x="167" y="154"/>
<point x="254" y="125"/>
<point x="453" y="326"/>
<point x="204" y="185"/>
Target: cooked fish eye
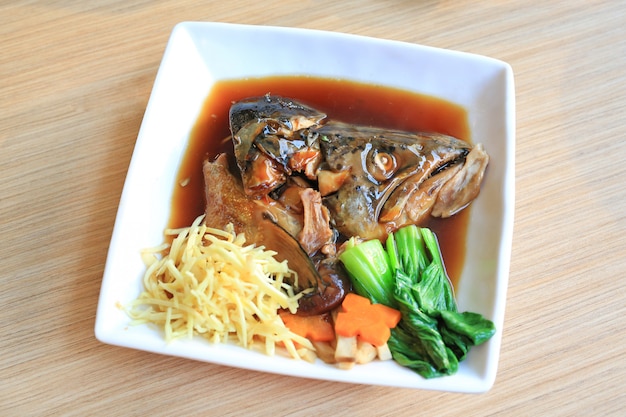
<point x="381" y="165"/>
<point x="383" y="161"/>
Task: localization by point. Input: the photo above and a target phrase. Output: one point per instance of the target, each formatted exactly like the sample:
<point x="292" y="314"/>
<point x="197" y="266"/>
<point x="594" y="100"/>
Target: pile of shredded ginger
<point x="207" y="282"/>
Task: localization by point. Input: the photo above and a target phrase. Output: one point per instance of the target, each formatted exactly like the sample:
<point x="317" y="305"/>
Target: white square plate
<point x="199" y="54"/>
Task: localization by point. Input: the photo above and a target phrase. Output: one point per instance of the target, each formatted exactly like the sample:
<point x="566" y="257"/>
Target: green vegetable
<point x="410" y="247"/>
<point x="432" y="337"/>
<point x="368" y="267"/>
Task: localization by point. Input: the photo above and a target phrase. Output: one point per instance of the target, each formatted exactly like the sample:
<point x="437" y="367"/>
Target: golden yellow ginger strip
<point x="210" y="283"/>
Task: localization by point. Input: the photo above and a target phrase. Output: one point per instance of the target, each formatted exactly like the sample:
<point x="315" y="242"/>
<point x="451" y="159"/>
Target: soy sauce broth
<point x="342" y="100"/>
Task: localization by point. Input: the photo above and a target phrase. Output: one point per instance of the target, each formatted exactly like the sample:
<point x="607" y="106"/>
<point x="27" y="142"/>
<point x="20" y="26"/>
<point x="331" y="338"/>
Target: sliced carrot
<point x="370" y="322"/>
<point x="317" y="328"/>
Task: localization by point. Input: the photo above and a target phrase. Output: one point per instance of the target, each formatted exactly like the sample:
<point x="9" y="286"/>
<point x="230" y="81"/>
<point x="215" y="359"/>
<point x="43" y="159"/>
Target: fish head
<point x="373" y="180"/>
<point x="384" y="179"/>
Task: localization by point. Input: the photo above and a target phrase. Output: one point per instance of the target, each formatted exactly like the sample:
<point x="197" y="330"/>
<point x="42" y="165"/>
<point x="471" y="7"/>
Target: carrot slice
<point x="370" y="322"/>
<point x="317" y="328"/>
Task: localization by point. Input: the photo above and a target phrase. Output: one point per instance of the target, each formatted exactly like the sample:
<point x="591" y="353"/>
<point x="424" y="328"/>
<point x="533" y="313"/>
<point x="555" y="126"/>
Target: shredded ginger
<point x="209" y="283"/>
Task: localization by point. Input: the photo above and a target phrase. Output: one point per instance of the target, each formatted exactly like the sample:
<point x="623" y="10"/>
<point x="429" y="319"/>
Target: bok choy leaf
<point x="432" y="336"/>
<point x="368" y="267"/>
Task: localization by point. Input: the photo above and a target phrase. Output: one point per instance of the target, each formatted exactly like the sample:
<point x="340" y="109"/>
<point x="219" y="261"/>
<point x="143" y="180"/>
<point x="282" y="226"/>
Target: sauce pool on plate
<point x="342" y="100"/>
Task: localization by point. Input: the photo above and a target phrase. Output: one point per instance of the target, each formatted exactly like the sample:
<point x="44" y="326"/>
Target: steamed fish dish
<point x="300" y="184"/>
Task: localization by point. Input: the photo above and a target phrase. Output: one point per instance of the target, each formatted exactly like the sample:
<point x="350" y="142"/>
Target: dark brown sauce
<point x="342" y="100"/>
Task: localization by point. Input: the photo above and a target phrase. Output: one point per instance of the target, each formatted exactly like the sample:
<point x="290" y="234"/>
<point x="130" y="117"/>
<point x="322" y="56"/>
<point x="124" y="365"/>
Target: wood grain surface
<point x="75" y="77"/>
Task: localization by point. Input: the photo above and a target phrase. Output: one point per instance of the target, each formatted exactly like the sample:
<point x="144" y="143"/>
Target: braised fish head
<point x="373" y="181"/>
<point x="387" y="178"/>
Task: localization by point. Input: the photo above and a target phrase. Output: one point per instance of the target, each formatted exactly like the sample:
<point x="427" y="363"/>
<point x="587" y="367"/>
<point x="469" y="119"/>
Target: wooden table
<point x="75" y="78"/>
